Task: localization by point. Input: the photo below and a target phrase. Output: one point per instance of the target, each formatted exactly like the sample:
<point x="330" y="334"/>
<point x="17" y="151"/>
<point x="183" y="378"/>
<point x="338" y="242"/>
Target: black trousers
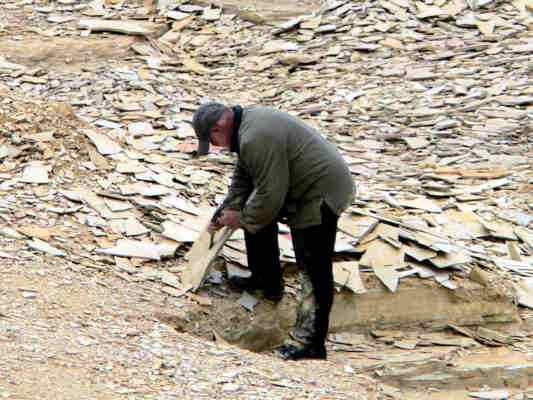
<point x="314" y="248"/>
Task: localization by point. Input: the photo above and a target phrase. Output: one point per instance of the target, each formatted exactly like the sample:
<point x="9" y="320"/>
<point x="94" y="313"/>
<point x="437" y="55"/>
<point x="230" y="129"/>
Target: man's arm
<point x="239" y="190"/>
<point x="266" y="159"/>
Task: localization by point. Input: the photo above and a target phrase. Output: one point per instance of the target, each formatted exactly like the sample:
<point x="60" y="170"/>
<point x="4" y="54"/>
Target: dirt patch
<point x="64" y="54"/>
<point x="73" y="383"/>
<point x="227" y="321"/>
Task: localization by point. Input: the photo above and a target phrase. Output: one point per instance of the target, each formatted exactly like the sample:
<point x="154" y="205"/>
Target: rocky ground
<point x="100" y="198"/>
<point x="69" y="335"/>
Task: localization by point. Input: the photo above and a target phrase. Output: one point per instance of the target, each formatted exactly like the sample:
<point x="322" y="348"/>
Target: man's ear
<point x="217" y="125"/>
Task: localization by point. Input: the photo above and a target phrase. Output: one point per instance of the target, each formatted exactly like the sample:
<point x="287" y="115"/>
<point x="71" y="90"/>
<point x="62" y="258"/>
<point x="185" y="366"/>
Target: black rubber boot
<point x="248" y="284"/>
<point x="274" y="294"/>
<point x="310" y="352"/>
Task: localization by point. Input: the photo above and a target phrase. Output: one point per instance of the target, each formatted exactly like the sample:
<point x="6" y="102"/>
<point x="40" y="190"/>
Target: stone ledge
<point x="421" y="303"/>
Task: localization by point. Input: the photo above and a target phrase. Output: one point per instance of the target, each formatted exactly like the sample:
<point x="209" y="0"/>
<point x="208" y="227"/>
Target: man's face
<point x="220" y="133"/>
<point x="216" y="136"/>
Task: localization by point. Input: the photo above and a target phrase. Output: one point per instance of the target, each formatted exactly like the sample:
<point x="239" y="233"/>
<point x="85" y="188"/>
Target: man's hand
<point x="213" y="227"/>
<point x="230" y="218"/>
<point x="215" y="224"/>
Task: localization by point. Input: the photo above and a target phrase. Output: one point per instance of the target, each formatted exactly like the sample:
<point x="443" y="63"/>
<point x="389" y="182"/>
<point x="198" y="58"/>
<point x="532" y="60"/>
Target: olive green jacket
<point x="286" y="169"/>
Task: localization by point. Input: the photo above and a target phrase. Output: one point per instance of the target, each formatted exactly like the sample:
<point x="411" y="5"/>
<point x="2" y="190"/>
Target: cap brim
<point x="203" y="147"/>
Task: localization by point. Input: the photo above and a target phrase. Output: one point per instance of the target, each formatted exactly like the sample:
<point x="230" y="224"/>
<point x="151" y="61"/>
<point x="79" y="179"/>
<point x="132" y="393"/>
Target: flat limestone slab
<point x="201" y="256"/>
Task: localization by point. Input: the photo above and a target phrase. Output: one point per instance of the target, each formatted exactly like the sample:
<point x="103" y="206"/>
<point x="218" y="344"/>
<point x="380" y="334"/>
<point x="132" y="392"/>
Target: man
<point x="286" y="170"/>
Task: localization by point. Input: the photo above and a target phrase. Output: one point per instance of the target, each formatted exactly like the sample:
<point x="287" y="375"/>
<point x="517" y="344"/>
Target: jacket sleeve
<point x="240" y="188"/>
<point x="267" y="162"/>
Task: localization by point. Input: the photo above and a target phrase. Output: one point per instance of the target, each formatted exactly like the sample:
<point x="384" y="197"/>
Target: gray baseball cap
<point x="203" y="121"/>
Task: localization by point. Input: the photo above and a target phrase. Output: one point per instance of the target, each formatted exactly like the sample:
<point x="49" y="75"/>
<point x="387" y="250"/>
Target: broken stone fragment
<point x="177" y="15"/>
<point x="327" y="28"/>
<point x="287" y="26"/>
<point x="178" y="233"/>
<point x="490" y="395"/>
<point x="524" y="48"/>
<point x="103" y="143"/>
<point x="135" y="248"/>
<point x="248" y="301"/>
<point x="446" y="124"/>
<point x="469" y="21"/>
<point x="276" y="46"/>
<point x="128" y="27"/>
<point x="296" y="59"/>
<point x="140" y="129"/>
<point x="514" y="100"/>
<point x="36" y="172"/>
<point x="10" y="233"/>
<point x="39" y="245"/>
<point x="426" y="11"/>
<point x="366" y="47"/>
<point x="420" y="74"/>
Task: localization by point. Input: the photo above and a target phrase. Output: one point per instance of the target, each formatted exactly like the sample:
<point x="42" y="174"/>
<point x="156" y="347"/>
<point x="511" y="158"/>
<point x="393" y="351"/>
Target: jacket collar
<point x="237" y="119"/>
